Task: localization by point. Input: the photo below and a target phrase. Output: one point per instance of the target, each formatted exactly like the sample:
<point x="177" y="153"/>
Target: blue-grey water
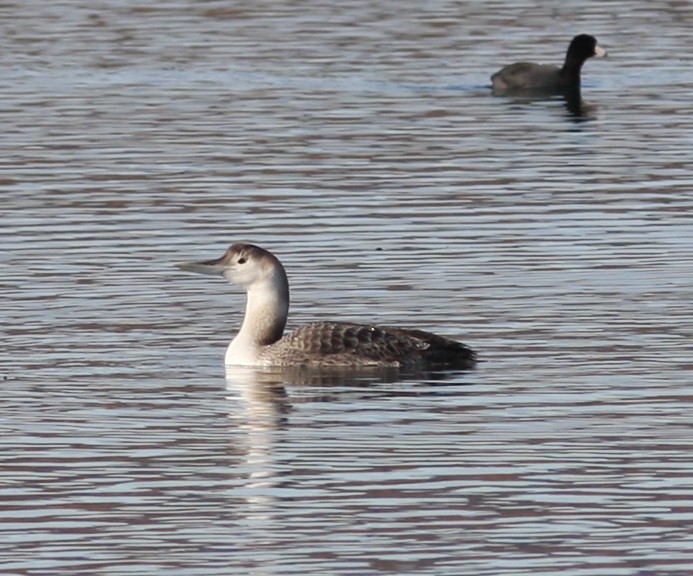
<point x="360" y="143"/>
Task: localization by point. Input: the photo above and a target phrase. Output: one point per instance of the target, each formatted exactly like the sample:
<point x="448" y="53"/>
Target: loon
<point x="260" y="341"/>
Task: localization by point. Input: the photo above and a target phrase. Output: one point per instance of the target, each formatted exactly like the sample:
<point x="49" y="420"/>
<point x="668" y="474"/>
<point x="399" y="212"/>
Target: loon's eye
<point x="242" y="260"/>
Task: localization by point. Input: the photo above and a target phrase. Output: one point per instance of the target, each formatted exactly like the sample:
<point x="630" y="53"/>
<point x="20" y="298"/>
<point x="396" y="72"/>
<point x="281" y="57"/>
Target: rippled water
<point x="359" y="142"/>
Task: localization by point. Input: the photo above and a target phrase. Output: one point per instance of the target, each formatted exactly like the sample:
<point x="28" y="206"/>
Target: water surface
<point x="360" y="143"/>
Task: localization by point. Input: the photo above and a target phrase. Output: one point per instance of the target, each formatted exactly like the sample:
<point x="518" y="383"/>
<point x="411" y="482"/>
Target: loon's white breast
<point x="260" y="341"/>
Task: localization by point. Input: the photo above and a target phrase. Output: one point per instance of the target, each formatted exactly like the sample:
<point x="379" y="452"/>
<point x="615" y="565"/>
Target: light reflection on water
<point x="361" y="145"/>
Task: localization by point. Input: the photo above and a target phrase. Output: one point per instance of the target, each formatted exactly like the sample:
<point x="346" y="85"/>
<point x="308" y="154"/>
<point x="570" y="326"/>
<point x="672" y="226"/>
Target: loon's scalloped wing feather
<point x="343" y="343"/>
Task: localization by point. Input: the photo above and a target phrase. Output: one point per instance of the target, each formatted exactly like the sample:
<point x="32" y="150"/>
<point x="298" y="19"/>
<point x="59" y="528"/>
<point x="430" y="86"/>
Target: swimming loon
<point x="260" y="341"/>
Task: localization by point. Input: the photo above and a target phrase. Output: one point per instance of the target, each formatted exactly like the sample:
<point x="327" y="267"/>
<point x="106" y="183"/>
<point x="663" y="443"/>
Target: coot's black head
<point x="583" y="47"/>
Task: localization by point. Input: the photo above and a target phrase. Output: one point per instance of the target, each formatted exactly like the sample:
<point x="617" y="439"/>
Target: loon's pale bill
<point x="210" y="267"/>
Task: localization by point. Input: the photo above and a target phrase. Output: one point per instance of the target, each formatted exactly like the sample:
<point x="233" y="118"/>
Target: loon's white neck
<point x="266" y="312"/>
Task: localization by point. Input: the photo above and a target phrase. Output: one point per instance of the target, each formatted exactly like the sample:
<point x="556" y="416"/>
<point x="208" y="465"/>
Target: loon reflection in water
<point x="260" y="341"/>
